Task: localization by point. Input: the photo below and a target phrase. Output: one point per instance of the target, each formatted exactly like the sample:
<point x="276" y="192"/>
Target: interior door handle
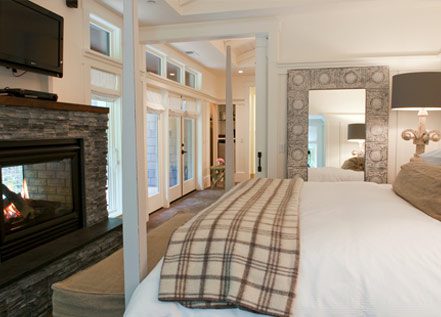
<point x="259" y="156"/>
<point x="183" y="151"/>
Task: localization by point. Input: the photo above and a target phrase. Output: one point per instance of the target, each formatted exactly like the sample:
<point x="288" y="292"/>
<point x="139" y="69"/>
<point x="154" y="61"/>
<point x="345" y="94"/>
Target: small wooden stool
<point x="217" y="174"/>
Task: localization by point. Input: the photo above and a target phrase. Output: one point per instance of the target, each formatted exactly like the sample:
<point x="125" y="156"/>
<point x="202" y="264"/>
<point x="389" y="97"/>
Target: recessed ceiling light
<point x="151" y="1"/>
<point x="240" y="71"/>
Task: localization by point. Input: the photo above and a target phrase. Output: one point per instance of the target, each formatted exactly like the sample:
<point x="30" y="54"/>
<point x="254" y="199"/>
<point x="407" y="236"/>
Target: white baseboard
<point x="207" y="181"/>
<point x="241" y="177"/>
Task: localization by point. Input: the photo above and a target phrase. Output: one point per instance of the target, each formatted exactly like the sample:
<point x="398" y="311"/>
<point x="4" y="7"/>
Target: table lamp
<point x="357" y="133"/>
<point x="418" y="92"/>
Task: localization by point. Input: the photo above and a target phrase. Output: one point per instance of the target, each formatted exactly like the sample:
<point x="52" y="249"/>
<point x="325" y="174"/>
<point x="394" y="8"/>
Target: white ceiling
<point x="212" y="54"/>
<point x="162" y="12"/>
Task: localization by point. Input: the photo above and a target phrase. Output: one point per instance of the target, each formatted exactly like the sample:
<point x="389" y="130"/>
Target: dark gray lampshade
<point x="416" y="90"/>
<point x="356" y="131"/>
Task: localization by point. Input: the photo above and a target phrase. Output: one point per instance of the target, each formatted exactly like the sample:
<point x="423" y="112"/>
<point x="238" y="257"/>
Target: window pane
<point x="189" y="148"/>
<point x="99" y="40"/>
<point x="153" y="63"/>
<point x="113" y="165"/>
<point x="190" y="79"/>
<point x="173" y="72"/>
<point x="152" y="153"/>
<point x="174" y="134"/>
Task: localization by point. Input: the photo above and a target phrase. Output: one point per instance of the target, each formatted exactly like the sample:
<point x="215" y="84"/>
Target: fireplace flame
<point x="10" y="212"/>
<point x="24" y="190"/>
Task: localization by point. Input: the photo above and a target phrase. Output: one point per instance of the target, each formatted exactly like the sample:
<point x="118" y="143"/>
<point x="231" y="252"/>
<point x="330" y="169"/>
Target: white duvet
<point x="334" y="174"/>
<point x="364" y="252"/>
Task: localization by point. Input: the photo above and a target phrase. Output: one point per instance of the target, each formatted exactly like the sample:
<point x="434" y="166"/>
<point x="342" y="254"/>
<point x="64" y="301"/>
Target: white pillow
<point x="432" y="157"/>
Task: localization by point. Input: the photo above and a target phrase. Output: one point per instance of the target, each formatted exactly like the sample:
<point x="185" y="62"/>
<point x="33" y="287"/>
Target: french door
<point x="182" y="155"/>
<point x="154" y="161"/>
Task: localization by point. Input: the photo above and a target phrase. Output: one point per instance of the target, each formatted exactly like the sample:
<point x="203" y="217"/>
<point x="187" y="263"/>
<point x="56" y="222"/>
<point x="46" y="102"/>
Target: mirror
<point x="375" y="80"/>
<point x="336" y="139"/>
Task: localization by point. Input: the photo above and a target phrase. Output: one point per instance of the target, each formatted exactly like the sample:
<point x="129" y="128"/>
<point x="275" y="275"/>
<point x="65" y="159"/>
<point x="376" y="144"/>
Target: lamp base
<point x="421" y="136"/>
<point x="360" y="151"/>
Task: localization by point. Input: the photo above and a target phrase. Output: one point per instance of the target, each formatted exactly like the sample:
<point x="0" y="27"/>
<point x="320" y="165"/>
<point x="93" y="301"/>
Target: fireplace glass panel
<point x="35" y="193"/>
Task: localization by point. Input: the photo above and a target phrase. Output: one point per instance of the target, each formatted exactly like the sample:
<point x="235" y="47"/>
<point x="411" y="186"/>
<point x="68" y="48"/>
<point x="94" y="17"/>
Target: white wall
<point x="344" y="32"/>
<point x="404" y="38"/>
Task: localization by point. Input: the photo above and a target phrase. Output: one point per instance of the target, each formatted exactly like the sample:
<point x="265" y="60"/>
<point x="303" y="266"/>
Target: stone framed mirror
<point x="374" y="80"/>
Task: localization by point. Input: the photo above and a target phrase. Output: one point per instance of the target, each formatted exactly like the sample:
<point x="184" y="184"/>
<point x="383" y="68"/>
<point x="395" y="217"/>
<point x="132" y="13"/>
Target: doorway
<point x="182" y="155"/>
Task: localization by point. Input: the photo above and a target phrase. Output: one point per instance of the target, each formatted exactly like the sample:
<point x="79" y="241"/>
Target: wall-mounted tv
<point x="31" y="38"/>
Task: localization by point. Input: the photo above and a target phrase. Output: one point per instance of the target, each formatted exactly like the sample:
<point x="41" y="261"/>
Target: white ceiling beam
<point x="207" y="31"/>
<point x="246" y="57"/>
<point x="192" y="7"/>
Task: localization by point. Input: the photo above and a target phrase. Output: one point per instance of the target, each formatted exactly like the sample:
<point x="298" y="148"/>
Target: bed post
<point x="133" y="158"/>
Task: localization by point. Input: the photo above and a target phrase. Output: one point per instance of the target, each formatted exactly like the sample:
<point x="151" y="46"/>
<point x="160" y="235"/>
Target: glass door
<point x="188" y="155"/>
<point x="114" y="169"/>
<point x="174" y="166"/>
<point x="155" y="199"/>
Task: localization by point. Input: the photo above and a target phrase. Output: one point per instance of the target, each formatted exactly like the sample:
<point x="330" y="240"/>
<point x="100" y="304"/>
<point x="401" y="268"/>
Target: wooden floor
<point x="193" y="202"/>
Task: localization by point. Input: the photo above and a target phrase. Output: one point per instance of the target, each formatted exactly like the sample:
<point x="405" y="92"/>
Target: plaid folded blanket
<point x="243" y="251"/>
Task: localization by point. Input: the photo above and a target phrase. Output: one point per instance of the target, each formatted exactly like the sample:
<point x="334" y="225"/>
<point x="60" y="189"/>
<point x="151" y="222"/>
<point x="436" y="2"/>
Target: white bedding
<point x="364" y="252"/>
<point x="333" y="174"/>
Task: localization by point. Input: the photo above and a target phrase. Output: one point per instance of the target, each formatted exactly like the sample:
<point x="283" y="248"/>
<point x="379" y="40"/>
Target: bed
<point x="334" y="174"/>
<point x="364" y="252"/>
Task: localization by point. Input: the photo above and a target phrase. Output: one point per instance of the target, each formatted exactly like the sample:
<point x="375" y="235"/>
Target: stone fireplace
<point x="53" y="180"/>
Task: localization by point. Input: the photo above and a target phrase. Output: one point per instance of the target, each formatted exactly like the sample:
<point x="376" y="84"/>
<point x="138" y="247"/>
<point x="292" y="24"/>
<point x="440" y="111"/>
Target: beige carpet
<point x="99" y="290"/>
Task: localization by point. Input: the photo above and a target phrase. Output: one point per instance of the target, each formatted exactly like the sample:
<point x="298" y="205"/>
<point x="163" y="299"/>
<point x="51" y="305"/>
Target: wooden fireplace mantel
<point x="47" y="104"/>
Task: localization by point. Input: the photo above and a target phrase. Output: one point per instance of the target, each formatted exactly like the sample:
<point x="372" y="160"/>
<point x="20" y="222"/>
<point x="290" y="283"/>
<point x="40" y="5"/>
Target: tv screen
<point x="31" y="38"/>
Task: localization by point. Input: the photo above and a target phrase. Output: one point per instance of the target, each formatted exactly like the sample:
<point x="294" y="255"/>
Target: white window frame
<point x="110" y="39"/>
<point x="197" y="76"/>
<point x="181" y="66"/>
<point x="115" y="190"/>
<point x="160" y="56"/>
<point x="166" y="59"/>
<point x="114" y="37"/>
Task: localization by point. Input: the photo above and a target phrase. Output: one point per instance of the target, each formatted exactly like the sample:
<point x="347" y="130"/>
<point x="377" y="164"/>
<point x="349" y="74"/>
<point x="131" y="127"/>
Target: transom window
<point x="105" y="37"/>
<point x="190" y="79"/>
<point x="160" y="64"/>
<point x="100" y="40"/>
<point x="153" y="63"/>
<point x="173" y="72"/>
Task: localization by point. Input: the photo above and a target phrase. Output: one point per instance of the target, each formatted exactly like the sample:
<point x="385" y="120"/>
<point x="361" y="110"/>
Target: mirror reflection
<point x="336" y="135"/>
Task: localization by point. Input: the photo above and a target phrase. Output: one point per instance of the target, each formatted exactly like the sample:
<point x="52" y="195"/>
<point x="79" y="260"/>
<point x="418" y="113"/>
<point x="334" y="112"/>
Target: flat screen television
<point x="31" y="38"/>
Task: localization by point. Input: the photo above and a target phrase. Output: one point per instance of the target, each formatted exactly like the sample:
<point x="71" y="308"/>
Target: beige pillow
<point x="420" y="184"/>
<point x="354" y="163"/>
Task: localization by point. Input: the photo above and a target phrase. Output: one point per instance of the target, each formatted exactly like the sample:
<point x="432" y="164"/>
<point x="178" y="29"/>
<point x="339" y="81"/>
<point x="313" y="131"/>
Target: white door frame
<point x="175" y="191"/>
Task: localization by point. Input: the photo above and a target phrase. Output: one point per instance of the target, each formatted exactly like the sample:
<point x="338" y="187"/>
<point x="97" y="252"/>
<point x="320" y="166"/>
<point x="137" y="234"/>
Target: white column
<point x="134" y="175"/>
<point x="261" y="105"/>
<point x="229" y="133"/>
